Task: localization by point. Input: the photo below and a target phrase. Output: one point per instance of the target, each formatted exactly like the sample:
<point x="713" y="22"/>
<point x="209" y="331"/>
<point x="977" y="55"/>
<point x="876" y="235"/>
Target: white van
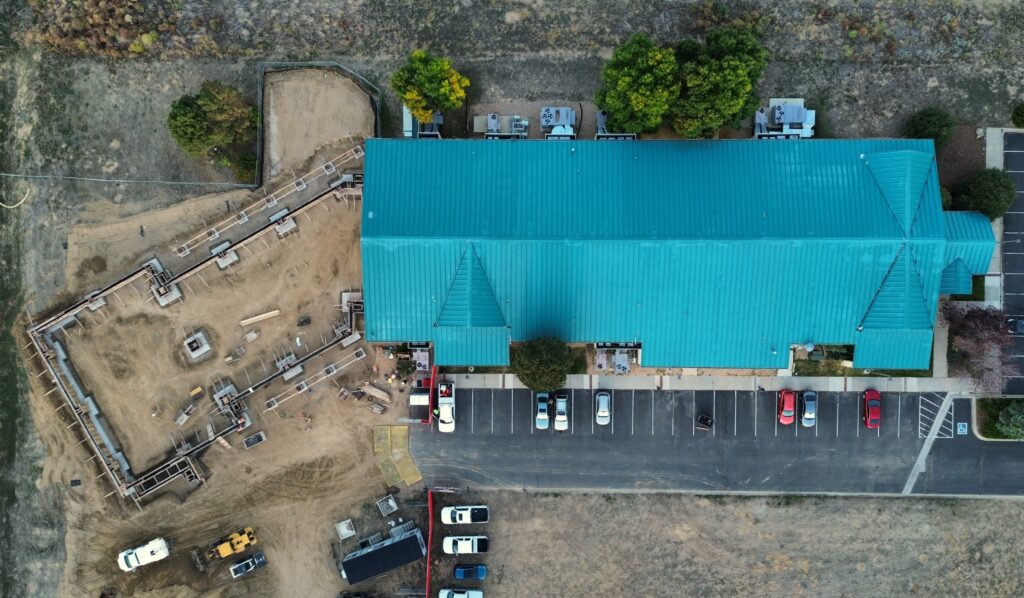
<point x="151" y="552"/>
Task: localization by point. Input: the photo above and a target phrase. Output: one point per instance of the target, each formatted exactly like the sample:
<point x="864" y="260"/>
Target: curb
<point x="977" y="430"/>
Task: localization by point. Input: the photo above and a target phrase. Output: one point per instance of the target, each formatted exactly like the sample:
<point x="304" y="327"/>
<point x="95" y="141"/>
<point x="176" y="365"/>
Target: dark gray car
<point x="808" y="408"/>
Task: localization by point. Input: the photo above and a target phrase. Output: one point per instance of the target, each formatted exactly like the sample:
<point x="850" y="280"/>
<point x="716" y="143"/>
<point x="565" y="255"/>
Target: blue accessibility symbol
<point x="961" y="428"/>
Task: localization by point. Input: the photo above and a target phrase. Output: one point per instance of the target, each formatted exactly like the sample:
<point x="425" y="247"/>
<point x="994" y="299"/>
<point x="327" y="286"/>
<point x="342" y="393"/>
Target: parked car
<point x="561" y="413"/>
<point x="248" y="565"/>
<point x="464" y="544"/>
<point x="460" y="593"/>
<point x="872" y="409"/>
<point x="808" y="408"/>
<point x="787" y="407"/>
<point x="542" y="410"/>
<point x="463" y="514"/>
<point x="446" y="413"/>
<point x="603" y="408"/>
<point x="478" y="572"/>
<point x="150" y="552"/>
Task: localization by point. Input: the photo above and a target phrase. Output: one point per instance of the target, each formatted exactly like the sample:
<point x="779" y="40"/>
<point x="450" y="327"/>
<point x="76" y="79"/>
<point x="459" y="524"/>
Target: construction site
<point x="222" y="382"/>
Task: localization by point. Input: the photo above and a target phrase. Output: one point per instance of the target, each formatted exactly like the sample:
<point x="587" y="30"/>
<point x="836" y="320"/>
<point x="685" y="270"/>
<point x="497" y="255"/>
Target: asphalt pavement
<point x="653" y="442"/>
<point x="1013" y="261"/>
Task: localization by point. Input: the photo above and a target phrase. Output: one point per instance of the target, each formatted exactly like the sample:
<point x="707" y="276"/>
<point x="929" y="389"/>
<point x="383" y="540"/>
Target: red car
<point x="787" y="407"/>
<point x="872" y="409"/>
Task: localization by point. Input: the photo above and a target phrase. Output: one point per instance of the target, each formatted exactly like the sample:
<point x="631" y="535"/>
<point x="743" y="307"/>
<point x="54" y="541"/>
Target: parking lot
<point x="653" y="441"/>
<point x="1013" y="259"/>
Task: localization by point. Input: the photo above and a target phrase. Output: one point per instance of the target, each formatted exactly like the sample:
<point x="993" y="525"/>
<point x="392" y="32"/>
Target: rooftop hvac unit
<point x="300" y="185"/>
<point x="241" y="217"/>
<point x="329" y="168"/>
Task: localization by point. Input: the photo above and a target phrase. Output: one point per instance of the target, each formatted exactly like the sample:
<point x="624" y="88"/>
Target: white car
<point x="561" y="413"/>
<point x="464" y="544"/>
<point x="602" y="408"/>
<point x="446" y="414"/>
<point x="150" y="552"/>
<point x="460" y="593"/>
<point x="463" y="514"/>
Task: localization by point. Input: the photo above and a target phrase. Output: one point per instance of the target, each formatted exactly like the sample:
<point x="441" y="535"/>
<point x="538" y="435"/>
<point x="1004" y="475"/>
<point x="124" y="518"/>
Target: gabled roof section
<point x="893" y="349"/>
<point x="970" y="238"/>
<point x="901" y="177"/>
<point x="470" y="300"/>
<point x="899" y="302"/>
<point x="956" y="279"/>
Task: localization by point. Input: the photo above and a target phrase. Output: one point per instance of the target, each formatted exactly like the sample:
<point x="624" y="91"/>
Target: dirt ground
<point x="307" y="110"/>
<point x="680" y="545"/>
<point x="132" y="357"/>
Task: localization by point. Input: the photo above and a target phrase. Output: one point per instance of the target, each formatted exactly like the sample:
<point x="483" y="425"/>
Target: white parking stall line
<point x="673" y="413"/>
<point x="735" y="403"/>
<point x="652" y="413"/>
<point x="856" y="422"/>
<point x="899" y="414"/>
<point x="533" y="401"/>
<point x="613" y="411"/>
<point x="757" y="395"/>
<point x="714" y="412"/>
<point x="693" y="413"/>
<point x="492" y="411"/>
<point x="593" y="409"/>
<point x="632" y="411"/>
<point x="572" y="411"/>
<point x="837" y="416"/>
<point x="775" y="414"/>
<point x="919" y="399"/>
<point x="512" y="428"/>
<point x="472" y="411"/>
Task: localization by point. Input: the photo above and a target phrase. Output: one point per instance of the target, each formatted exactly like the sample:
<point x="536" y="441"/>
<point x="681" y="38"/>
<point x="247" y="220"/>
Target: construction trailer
<point x="378" y="558"/>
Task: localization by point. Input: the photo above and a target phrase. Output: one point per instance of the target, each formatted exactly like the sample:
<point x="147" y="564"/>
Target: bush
<point x="542" y="364"/>
<point x="990" y="191"/>
<point x="1018" y="116"/>
<point x="216" y="122"/>
<point x="717" y="80"/>
<point x="1011" y="420"/>
<point x="947" y="198"/>
<point x="108" y="28"/>
<point x="640" y="83"/>
<point x="427" y="83"/>
<point x="978" y="335"/>
<point x="930" y="123"/>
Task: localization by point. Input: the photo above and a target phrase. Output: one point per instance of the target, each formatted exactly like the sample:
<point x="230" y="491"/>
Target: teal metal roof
<point x="710" y="253"/>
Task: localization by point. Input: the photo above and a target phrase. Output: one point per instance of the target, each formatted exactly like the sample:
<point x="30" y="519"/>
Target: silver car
<point x="808" y="408"/>
<point x="603" y="408"/>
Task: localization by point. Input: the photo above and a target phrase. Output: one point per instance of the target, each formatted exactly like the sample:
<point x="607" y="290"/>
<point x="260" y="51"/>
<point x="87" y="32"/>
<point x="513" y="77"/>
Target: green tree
<point x="990" y="191"/>
<point x="216" y="121"/>
<point x="717" y="80"/>
<point x="1011" y="420"/>
<point x="930" y="123"/>
<point x="188" y="126"/>
<point x="1018" y="116"/>
<point x="542" y="364"/>
<point x="427" y="83"/>
<point x="640" y="83"/>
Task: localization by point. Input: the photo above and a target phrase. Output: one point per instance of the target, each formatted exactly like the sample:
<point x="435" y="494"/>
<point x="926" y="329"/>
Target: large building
<point x="706" y="253"/>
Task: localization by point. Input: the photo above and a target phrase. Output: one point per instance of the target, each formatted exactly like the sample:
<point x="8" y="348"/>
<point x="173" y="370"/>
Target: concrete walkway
<point x="957" y="386"/>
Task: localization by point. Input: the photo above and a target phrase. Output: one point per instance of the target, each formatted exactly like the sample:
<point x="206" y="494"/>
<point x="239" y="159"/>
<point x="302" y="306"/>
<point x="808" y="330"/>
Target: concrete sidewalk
<point x="959" y="386"/>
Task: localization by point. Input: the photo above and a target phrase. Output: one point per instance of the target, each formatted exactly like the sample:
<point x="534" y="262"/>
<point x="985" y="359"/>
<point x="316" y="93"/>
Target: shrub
<point x="990" y="191"/>
<point x="947" y="198"/>
<point x="930" y="123"/>
<point x="717" y="80"/>
<point x="427" y="83"/>
<point x="1018" y="116"/>
<point x="107" y="28"/>
<point x="1011" y="420"/>
<point x="640" y="83"/>
<point x="542" y="364"/>
<point x="216" y="122"/>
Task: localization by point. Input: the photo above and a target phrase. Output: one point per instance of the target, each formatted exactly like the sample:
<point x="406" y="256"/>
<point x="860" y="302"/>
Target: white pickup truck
<point x="446" y="407"/>
<point x="465" y="544"/>
<point x="463" y="514"/>
<point x="150" y="552"/>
